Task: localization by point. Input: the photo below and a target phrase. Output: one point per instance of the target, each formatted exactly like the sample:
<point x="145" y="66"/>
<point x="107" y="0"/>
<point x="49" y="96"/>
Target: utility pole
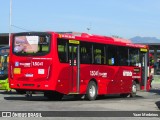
<point x="10" y="21"/>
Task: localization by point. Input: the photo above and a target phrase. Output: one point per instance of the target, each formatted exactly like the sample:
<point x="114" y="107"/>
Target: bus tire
<point x="91" y="93"/>
<point x="134" y="89"/>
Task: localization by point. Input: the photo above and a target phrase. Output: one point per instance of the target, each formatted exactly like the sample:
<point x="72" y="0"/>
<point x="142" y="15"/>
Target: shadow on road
<point x="66" y="98"/>
<point x="157" y="91"/>
<point x="158" y="104"/>
<point x="23" y="98"/>
<point x="8" y="92"/>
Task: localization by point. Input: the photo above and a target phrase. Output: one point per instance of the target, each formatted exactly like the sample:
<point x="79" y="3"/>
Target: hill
<point x="139" y="39"/>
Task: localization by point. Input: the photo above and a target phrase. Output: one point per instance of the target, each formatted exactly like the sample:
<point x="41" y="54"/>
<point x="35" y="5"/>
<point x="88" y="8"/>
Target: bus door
<point x="144" y="66"/>
<point x="74" y="71"/>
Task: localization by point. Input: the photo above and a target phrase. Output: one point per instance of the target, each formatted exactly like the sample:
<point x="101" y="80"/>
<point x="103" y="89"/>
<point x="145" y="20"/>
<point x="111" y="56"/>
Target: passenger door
<point x="74" y="70"/>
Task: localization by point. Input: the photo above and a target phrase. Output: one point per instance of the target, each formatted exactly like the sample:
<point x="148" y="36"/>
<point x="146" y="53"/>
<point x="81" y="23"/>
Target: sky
<point x="123" y="18"/>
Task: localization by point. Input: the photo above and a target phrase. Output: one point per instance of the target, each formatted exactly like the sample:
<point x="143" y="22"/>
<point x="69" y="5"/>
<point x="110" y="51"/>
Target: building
<point x="4" y="39"/>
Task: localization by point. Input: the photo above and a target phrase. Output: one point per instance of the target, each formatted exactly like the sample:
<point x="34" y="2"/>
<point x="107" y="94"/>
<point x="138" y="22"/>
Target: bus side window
<point x="112" y="55"/>
<point x="134" y="59"/>
<point x="123" y="56"/>
<point x="111" y="61"/>
<point x="62" y="50"/>
<point x="99" y="54"/>
<point x="98" y="58"/>
<point x="86" y="53"/>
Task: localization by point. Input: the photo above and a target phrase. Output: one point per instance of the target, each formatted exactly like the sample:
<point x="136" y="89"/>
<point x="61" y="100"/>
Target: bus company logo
<point x="16" y="64"/>
<point x="127" y="73"/>
<point x="21" y="114"/>
<point x="6" y="114"/>
<point x="25" y="64"/>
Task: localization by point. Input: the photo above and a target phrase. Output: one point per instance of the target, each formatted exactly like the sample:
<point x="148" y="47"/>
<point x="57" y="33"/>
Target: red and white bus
<point x="76" y="63"/>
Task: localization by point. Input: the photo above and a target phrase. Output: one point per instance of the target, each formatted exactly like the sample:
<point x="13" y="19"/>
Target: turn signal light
<point x="17" y="70"/>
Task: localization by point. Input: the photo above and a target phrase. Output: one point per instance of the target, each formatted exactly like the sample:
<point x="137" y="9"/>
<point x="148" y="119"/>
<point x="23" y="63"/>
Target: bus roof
<point x="99" y="39"/>
<point x="91" y="38"/>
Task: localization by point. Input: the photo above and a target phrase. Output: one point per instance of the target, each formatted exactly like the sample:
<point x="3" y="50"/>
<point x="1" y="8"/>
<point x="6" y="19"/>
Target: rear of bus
<point x="4" y="59"/>
<point x="31" y="61"/>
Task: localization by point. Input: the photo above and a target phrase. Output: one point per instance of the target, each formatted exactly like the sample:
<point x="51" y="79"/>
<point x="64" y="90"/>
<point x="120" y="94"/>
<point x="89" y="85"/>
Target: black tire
<point x="53" y="95"/>
<point x="91" y="93"/>
<point x="134" y="89"/>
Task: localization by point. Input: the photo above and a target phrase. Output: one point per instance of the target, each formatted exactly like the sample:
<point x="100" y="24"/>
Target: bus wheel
<point x="134" y="89"/>
<point x="53" y="95"/>
<point x="91" y="93"/>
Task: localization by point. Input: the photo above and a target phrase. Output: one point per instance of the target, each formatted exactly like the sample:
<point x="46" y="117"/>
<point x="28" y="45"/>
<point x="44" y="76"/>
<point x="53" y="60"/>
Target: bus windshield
<point x="31" y="45"/>
<point x="4" y="59"/>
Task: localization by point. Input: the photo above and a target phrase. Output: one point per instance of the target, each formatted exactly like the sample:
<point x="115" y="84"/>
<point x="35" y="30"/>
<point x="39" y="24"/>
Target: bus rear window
<point x="32" y="45"/>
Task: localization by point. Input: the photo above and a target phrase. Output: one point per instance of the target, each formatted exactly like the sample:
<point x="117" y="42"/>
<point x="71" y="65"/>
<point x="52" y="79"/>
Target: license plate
<point x="29" y="75"/>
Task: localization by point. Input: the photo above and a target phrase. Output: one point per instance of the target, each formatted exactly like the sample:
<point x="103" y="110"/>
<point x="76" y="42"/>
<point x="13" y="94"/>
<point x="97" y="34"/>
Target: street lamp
<point x="88" y="29"/>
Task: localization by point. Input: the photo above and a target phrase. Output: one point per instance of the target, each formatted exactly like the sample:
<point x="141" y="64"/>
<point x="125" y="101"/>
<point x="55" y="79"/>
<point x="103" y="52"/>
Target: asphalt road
<point x="144" y="101"/>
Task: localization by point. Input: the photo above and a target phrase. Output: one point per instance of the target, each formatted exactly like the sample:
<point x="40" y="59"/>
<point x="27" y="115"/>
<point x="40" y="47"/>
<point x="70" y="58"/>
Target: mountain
<point x="139" y="39"/>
